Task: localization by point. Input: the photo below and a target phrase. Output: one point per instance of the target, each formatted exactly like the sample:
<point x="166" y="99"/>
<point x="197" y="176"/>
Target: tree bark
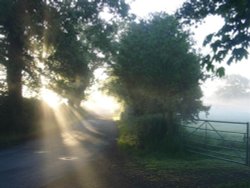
<point x="15" y="67"/>
<point x="14" y="80"/>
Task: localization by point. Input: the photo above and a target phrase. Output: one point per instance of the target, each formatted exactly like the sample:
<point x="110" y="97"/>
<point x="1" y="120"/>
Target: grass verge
<point x="186" y="171"/>
<point x="162" y="165"/>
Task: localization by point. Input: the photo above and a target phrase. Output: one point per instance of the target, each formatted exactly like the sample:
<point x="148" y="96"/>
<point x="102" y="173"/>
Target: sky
<point x="143" y="7"/>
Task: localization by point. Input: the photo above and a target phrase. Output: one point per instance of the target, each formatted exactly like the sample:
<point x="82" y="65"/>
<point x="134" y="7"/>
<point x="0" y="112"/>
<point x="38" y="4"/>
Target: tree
<point x="57" y="39"/>
<point x="30" y="28"/>
<point x="231" y="42"/>
<point x="155" y="70"/>
<point x="70" y="67"/>
<point x="236" y="87"/>
<point x="21" y="23"/>
<point x="17" y="19"/>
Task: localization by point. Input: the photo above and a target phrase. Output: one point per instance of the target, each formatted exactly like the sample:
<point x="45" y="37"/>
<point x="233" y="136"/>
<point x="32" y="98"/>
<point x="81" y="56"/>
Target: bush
<point x="27" y="123"/>
<point x="149" y="133"/>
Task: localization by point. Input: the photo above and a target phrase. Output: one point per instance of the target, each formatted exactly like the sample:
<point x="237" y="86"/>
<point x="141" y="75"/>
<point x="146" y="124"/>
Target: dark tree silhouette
<point x="65" y="35"/>
<point x="155" y="70"/>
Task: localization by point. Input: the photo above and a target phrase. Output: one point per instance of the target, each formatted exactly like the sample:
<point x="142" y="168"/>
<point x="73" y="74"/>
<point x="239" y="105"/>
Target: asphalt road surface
<point x="70" y="155"/>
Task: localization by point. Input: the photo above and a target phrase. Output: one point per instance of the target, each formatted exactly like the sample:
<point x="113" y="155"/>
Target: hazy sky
<point x="143" y="7"/>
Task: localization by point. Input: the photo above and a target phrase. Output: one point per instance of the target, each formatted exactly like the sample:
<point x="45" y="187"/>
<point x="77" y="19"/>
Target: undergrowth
<point x="149" y="134"/>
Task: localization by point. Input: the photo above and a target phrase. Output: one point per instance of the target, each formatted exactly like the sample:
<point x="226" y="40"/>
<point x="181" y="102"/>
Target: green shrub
<point x="150" y="133"/>
<point x="27" y="123"/>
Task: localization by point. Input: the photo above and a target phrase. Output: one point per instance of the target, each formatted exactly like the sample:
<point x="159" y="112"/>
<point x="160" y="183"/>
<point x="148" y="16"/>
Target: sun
<point x="51" y="98"/>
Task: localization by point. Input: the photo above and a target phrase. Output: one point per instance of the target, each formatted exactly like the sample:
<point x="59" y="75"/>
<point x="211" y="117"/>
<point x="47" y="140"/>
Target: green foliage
<point x="149" y="133"/>
<point x="81" y="36"/>
<point x="56" y="41"/>
<point x="157" y="70"/>
<point x="30" y="124"/>
<point x="231" y="42"/>
<point x="69" y="63"/>
<point x="70" y="34"/>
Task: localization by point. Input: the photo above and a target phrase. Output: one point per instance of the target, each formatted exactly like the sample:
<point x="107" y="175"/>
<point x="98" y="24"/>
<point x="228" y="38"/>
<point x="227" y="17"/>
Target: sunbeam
<point x="71" y="141"/>
<point x="103" y="105"/>
<point x="51" y="98"/>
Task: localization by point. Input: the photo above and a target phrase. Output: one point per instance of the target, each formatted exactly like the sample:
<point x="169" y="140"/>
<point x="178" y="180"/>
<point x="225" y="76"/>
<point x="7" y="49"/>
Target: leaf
<point x="216" y="45"/>
<point x="205" y="60"/>
<point x="220" y="72"/>
<point x="220" y="55"/>
<point x="230" y="60"/>
<point x="239" y="53"/>
<point x="208" y="39"/>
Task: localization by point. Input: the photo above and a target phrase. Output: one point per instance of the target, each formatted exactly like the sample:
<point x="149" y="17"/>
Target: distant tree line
<point x="236" y="87"/>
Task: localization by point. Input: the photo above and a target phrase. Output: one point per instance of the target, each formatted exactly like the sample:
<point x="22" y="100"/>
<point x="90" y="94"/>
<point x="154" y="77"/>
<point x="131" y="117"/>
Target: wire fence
<point x="228" y="141"/>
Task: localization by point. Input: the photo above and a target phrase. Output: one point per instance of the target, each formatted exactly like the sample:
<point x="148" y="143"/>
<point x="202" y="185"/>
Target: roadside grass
<point x="243" y="184"/>
<point x="183" y="162"/>
<point x="186" y="170"/>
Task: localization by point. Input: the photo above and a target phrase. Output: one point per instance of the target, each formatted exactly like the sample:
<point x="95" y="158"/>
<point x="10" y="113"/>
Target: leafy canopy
<point x="66" y="36"/>
<point x="232" y="41"/>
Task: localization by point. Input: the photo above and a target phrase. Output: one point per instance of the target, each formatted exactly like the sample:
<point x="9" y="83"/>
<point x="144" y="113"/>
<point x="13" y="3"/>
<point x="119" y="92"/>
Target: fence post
<point x="247" y="146"/>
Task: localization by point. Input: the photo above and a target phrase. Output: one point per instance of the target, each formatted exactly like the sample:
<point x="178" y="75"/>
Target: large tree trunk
<point x="16" y="32"/>
<point x="14" y="81"/>
<point x="15" y="65"/>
